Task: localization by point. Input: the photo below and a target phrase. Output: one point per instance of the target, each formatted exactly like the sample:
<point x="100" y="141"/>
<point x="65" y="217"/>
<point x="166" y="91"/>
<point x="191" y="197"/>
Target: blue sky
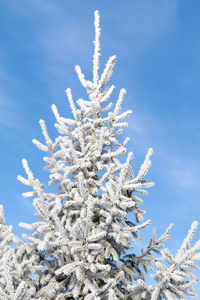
<point x="157" y="44"/>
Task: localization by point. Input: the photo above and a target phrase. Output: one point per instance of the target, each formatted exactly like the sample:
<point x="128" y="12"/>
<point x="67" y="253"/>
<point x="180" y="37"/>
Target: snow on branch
<point x="96" y="48"/>
<point x="177" y="279"/>
<point x="107" y="73"/>
<point x="7" y="285"/>
<point x="71" y="102"/>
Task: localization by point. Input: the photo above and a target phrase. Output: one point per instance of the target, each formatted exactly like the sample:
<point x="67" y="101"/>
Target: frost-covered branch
<point x="177" y="279"/>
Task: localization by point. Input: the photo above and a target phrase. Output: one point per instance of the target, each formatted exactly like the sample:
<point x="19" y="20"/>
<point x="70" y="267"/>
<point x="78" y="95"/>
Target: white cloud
<point x="147" y="17"/>
<point x="11" y="120"/>
<point x="139" y="24"/>
<point x="57" y="38"/>
<point x="7" y="112"/>
<point x="186" y="173"/>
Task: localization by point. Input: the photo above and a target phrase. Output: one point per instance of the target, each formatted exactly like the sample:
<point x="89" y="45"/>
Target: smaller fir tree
<point x="82" y="241"/>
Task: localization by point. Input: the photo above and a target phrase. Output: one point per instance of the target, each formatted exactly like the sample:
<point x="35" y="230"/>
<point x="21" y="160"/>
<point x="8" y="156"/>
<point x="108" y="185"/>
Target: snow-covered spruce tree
<point x="82" y="246"/>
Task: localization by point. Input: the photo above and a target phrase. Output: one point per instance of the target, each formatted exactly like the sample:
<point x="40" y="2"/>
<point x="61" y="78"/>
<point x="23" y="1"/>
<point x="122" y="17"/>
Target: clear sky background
<point x="157" y="44"/>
